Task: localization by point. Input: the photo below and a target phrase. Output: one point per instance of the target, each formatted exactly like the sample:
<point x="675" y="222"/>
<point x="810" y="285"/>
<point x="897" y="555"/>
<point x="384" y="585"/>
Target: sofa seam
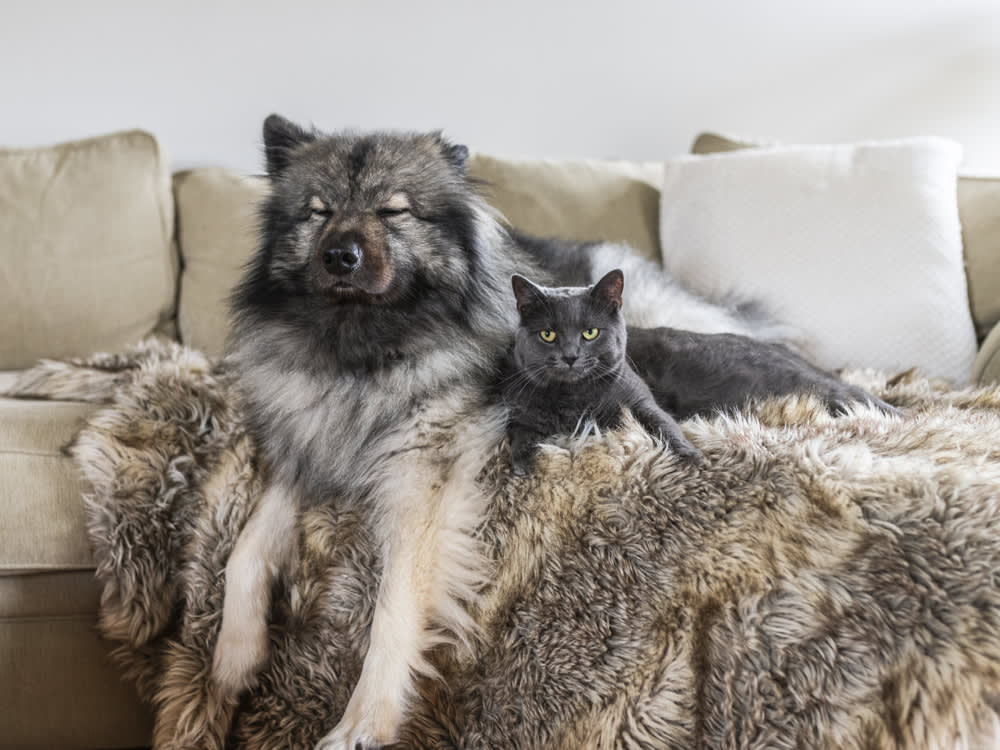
<point x="34" y="619"/>
<point x="12" y="571"/>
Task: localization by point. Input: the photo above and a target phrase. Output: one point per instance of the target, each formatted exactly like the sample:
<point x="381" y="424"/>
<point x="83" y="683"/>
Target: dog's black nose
<point x="341" y="260"/>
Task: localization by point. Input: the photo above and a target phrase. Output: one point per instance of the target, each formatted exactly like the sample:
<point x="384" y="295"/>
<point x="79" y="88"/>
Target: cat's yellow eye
<point x="547" y="336"/>
<point x="591" y="333"/>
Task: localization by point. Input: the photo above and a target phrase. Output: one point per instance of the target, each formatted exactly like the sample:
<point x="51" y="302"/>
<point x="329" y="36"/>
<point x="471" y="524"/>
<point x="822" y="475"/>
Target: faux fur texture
<point x="819" y="583"/>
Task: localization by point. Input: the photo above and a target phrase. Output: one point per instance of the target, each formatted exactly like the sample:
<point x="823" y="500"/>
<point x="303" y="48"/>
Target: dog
<point x="366" y="334"/>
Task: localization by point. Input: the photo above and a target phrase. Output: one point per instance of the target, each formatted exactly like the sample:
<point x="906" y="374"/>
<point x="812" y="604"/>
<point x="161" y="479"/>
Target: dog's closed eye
<point x="317" y="208"/>
<point x="397" y="205"/>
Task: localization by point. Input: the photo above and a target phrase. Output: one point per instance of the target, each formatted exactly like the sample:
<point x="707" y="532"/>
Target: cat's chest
<point x="561" y="406"/>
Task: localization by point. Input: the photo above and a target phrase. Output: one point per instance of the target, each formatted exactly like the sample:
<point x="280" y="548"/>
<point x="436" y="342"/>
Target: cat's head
<point x="569" y="334"/>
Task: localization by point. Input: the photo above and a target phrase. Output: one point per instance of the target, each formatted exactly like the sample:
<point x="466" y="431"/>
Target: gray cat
<point x="568" y="366"/>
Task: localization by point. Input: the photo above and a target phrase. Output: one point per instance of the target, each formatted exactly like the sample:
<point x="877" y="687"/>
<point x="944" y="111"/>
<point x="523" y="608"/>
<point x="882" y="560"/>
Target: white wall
<point x="630" y="78"/>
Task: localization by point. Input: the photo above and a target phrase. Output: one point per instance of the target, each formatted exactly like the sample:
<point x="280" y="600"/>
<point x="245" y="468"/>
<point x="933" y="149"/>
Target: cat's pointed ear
<point x="281" y="136"/>
<point x="526" y="293"/>
<point x="609" y="289"/>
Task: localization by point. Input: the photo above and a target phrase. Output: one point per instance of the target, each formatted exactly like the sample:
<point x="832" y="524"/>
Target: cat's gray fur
<point x="559" y="386"/>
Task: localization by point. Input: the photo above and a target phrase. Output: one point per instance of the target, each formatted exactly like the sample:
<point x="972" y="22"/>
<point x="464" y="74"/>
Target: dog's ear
<point x="527" y="294"/>
<point x="609" y="289"/>
<point x="281" y="136"/>
<point x="456" y="154"/>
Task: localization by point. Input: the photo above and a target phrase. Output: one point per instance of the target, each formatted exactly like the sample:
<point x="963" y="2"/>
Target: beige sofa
<point x="102" y="245"/>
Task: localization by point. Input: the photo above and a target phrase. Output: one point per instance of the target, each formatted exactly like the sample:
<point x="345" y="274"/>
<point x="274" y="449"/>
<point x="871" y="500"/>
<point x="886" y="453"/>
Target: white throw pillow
<point x="858" y="246"/>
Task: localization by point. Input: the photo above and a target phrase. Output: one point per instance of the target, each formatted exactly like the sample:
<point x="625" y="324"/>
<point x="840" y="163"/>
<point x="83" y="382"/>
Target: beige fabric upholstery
<point x="86" y="257"/>
<point x="979" y="211"/>
<point x="43" y="525"/>
<point x="66" y="692"/>
<point x="60" y="689"/>
<point x="216" y="229"/>
<point x="579" y="200"/>
<point x="986" y="368"/>
<point x="7" y="379"/>
<point x="712" y="143"/>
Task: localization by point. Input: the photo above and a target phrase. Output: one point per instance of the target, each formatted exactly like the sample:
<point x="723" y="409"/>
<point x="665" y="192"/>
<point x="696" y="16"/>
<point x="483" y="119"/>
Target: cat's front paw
<point x="522" y="460"/>
<point x="521" y="468"/>
<point x="686" y="451"/>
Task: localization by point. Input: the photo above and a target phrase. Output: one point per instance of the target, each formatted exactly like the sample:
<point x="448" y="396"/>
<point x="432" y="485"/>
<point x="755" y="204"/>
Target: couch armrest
<point x="986" y="368"/>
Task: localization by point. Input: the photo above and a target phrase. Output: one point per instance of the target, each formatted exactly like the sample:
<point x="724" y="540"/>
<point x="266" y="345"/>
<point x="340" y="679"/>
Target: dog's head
<point x="365" y="218"/>
<point x="374" y="246"/>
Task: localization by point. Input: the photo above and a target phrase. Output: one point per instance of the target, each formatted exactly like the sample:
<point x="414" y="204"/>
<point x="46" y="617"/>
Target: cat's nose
<point x="569" y="360"/>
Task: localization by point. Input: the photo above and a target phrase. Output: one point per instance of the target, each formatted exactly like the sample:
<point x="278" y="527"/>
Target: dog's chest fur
<point x="336" y="432"/>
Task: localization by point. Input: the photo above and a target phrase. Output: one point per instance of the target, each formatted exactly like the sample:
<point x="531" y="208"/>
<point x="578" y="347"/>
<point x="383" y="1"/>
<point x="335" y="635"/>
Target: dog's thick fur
<point x="819" y="583"/>
<point x="366" y="335"/>
<point x="370" y="386"/>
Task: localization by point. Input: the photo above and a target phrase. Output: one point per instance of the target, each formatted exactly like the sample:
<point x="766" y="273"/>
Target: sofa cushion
<point x="44" y="526"/>
<point x="86" y="234"/>
<point x="60" y="688"/>
<point x="979" y="209"/>
<point x="986" y="368"/>
<point x="979" y="213"/>
<point x="857" y="245"/>
<point x="584" y="199"/>
<point x="216" y="230"/>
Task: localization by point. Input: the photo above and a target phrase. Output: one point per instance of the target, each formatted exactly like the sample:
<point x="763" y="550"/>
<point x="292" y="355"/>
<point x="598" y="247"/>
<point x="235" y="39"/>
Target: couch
<point x="104" y="245"/>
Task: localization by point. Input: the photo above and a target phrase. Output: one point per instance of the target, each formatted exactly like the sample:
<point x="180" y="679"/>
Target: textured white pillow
<point x="858" y="246"/>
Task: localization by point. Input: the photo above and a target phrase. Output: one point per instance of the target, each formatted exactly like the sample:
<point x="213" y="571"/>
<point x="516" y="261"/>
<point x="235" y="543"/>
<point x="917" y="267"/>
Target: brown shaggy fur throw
<point x="819" y="583"/>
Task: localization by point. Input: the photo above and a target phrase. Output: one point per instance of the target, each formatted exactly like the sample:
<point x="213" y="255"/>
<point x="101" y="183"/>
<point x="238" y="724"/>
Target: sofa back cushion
<point x="979" y="213"/>
<point x="584" y="199"/>
<point x="216" y="232"/>
<point x="86" y="238"/>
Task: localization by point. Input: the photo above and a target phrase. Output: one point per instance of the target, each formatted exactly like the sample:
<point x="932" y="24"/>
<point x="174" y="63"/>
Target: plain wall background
<point x="626" y="79"/>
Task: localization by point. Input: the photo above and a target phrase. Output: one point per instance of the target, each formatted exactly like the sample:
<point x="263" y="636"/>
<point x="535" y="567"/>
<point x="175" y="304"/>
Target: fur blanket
<point x="820" y="582"/>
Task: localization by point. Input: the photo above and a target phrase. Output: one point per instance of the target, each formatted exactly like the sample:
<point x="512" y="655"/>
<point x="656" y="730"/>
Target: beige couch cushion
<point x="216" y="230"/>
<point x="979" y="212"/>
<point x="67" y="692"/>
<point x="579" y="200"/>
<point x="986" y="368"/>
<point x="86" y="234"/>
<point x="44" y="527"/>
<point x="979" y="209"/>
<point x="60" y="689"/>
<point x="584" y="200"/>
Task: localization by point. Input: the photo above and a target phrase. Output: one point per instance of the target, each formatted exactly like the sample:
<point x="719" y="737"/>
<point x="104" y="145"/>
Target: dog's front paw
<point x="240" y="653"/>
<point x="368" y="723"/>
